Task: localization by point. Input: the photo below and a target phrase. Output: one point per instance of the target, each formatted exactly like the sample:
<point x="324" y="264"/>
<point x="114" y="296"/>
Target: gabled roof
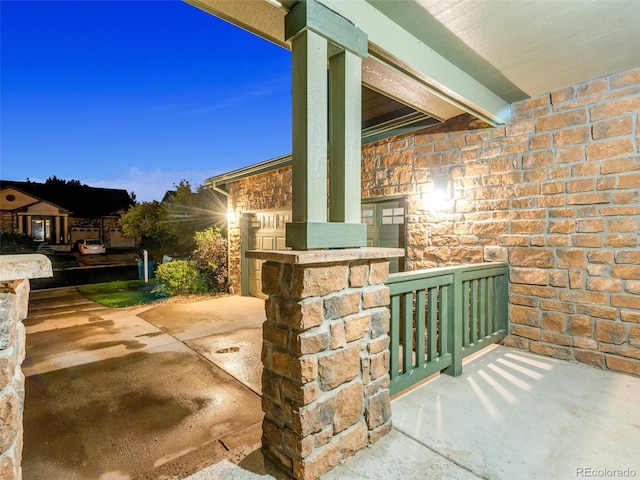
<point x="80" y="200"/>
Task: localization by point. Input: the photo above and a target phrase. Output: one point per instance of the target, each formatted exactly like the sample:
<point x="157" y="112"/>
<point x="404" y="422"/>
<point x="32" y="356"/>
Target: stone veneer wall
<point x="14" y="302"/>
<point x="326" y="359"/>
<point x="556" y="194"/>
<point x="265" y="191"/>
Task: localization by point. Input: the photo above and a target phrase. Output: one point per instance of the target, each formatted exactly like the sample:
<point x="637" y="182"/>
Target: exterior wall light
<point x="440" y="197"/>
<point x="231" y="217"/>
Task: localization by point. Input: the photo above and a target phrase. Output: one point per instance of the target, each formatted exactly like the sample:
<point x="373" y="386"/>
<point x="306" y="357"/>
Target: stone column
<point x="14" y="300"/>
<point x="325" y="354"/>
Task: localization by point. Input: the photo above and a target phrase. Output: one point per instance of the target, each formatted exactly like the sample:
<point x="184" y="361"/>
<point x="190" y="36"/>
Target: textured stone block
<point x="341" y="305"/>
<point x="524" y="315"/>
<point x="626" y="301"/>
<point x="380" y="322"/>
<point x="349" y="406"/>
<point x="302" y="315"/>
<point x="323" y="460"/>
<point x="378" y="410"/>
<point x="303" y="370"/>
<point x="354" y="439"/>
<point x="338" y="337"/>
<point x="378" y="272"/>
<point x="358" y="275"/>
<point x="604" y="284"/>
<point x="379" y="364"/>
<point x="560" y="352"/>
<point x="302" y="446"/>
<point x="339" y="367"/>
<point x="7" y="367"/>
<point x="8" y="468"/>
<point x="11" y="416"/>
<point x="314" y="417"/>
<point x="270" y="278"/>
<point x="553" y="321"/>
<point x="580" y="325"/>
<point x="376" y="297"/>
<point x="310" y="341"/>
<point x="525" y="331"/>
<point x="610" y="332"/>
<point x="275" y="335"/>
<point x="315" y="281"/>
<point x="300" y="394"/>
<point x="356" y="327"/>
<point x="557" y="338"/>
<point x="571" y="258"/>
<point x="529" y="276"/>
<point x="623" y="364"/>
<point x="590" y="358"/>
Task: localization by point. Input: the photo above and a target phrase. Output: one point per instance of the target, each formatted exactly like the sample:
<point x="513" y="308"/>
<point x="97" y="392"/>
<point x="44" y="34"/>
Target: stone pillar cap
<point x="301" y="257"/>
<point x="19" y="267"/>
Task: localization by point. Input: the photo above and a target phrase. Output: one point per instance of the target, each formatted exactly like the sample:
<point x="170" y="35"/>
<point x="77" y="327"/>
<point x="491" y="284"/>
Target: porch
<point x="510" y="414"/>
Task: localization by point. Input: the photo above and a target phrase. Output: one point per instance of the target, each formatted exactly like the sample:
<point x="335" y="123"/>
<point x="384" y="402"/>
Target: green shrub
<point x="11" y="242"/>
<point x="210" y="256"/>
<point x="180" y="277"/>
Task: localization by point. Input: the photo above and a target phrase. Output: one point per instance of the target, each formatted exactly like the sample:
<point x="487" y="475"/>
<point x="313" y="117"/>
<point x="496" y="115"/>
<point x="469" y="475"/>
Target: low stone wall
<point x="325" y="355"/>
<point x="14" y="301"/>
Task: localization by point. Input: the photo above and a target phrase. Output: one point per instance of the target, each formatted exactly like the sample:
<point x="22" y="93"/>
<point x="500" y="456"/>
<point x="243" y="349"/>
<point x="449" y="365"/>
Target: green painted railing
<point x="441" y="315"/>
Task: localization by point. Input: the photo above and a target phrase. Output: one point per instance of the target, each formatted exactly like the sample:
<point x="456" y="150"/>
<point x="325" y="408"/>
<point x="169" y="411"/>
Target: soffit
<point x="524" y="48"/>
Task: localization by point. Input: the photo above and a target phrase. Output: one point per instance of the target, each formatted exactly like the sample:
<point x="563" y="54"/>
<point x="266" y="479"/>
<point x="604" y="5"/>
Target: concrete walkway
<point x="112" y="395"/>
<point x="510" y="415"/>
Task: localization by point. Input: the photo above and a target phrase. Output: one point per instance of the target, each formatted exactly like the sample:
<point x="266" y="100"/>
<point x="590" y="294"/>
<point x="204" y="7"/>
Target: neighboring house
<point x="59" y="216"/>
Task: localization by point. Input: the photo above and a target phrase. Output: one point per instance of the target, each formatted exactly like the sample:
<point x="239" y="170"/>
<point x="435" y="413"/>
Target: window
<point x="393" y="216"/>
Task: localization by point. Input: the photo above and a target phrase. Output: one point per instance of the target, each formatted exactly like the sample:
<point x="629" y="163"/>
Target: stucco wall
<point x="556" y="194"/>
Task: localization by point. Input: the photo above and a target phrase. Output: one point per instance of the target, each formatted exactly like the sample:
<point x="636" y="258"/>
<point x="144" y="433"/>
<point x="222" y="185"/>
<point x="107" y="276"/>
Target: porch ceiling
<point x="443" y="57"/>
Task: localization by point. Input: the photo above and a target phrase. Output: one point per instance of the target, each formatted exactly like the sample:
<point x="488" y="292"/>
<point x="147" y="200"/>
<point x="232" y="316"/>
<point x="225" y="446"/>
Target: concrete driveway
<point x="144" y="393"/>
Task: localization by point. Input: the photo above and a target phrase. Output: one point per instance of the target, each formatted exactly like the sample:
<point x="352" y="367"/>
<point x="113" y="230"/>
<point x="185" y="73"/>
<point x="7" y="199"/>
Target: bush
<point x="11" y="242"/>
<point x="180" y="277"/>
<point x="210" y="256"/>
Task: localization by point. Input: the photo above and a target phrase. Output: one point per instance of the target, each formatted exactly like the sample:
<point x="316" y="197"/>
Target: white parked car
<point x="91" y="246"/>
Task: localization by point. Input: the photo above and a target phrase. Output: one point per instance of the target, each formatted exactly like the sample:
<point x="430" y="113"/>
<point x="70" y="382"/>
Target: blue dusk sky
<point x="136" y="94"/>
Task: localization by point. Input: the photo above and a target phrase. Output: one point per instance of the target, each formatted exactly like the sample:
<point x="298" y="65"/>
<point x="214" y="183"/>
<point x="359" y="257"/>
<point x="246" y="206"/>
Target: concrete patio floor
<point x="510" y="415"/>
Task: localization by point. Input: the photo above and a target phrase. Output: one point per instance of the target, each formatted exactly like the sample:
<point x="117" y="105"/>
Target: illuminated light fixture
<point x="440" y="197"/>
<point x="231" y="217"/>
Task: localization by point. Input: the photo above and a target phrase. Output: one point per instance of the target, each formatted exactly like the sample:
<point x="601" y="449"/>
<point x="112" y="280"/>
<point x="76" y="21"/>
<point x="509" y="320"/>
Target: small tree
<point x="148" y="220"/>
<point x="210" y="256"/>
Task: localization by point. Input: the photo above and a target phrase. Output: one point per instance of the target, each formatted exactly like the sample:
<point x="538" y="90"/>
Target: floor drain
<point x="229" y="350"/>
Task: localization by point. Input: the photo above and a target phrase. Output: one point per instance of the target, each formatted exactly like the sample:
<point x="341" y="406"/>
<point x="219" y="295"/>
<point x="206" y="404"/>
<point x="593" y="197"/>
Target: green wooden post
<point x="314" y="31"/>
<point x="345" y="112"/>
<point x="432" y="326"/>
<point x="454" y="307"/>
<point x="309" y="105"/>
<point x="394" y="333"/>
<point x="407" y="332"/>
<point x="420" y="326"/>
<point x="466" y="334"/>
<point x="504" y="302"/>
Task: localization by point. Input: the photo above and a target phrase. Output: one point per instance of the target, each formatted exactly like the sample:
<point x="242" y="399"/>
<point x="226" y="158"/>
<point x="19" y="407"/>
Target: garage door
<point x="266" y="232"/>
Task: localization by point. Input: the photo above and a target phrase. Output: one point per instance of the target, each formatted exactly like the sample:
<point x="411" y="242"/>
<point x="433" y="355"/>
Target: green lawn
<point x="121" y="293"/>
